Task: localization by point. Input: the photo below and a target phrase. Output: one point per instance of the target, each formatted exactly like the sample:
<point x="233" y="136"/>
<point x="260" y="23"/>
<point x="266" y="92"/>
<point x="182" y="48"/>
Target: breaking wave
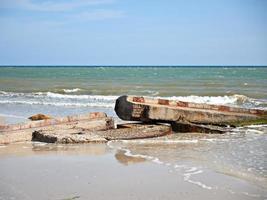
<point x="71" y="90"/>
<point x="56" y="99"/>
<point x="82" y="100"/>
<point x="233" y="100"/>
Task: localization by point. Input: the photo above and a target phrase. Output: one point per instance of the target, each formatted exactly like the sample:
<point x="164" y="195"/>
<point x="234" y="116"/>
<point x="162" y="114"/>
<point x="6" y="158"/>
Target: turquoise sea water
<point x="32" y="89"/>
<point x="155" y="81"/>
<point x="66" y="90"/>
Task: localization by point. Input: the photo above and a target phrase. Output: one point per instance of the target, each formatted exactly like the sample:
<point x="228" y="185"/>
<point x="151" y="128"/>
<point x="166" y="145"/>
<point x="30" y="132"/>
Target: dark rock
<point x="186" y="127"/>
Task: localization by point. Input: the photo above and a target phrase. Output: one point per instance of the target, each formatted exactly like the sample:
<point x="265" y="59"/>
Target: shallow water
<point x="239" y="154"/>
<point x="168" y="167"/>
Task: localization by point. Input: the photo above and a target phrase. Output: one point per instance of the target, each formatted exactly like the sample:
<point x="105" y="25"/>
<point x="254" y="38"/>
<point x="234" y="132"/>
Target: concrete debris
<point x="78" y="135"/>
<point x="151" y="113"/>
<point x="187" y="127"/>
<point x="52" y="122"/>
<point x="147" y="109"/>
<point x="136" y="131"/>
<point x="23" y="132"/>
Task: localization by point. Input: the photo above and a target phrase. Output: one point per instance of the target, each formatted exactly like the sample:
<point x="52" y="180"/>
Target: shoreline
<point x="101" y="172"/>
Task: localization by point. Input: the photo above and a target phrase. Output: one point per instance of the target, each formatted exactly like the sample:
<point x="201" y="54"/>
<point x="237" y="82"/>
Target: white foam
<point x="254" y="131"/>
<point x="104" y="105"/>
<point x="256" y="126"/>
<point x="71" y="90"/>
<point x="52" y="98"/>
<point x="194" y="171"/>
<point x="220" y="100"/>
<point x="199" y="184"/>
<point x="156" y="160"/>
<point x="187" y="176"/>
<point x="68" y="96"/>
<point x="156" y="141"/>
<point x="214" y="139"/>
<point x="13" y="116"/>
<point x="151" y="92"/>
<point x="191" y="169"/>
<point x="251" y="195"/>
<point x="179" y="166"/>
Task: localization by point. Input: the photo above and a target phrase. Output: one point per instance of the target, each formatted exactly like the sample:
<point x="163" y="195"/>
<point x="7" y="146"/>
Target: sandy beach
<point x="110" y="171"/>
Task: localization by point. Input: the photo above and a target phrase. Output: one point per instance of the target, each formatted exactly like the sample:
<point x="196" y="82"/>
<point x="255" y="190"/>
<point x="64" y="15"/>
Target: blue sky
<point x="132" y="32"/>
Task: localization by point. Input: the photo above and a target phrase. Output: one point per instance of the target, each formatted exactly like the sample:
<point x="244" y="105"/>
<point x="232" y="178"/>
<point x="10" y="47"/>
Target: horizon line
<point x="133" y="65"/>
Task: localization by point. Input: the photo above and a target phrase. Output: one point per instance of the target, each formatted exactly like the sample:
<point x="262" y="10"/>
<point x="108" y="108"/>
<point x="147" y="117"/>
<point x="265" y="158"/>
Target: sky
<point x="133" y="32"/>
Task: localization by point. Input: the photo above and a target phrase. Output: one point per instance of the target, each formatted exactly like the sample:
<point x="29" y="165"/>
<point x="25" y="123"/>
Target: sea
<point x="66" y="90"/>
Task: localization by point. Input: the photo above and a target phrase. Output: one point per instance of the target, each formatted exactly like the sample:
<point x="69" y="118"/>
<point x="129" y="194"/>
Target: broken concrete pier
<point x="54" y="121"/>
<point x="123" y="132"/>
<point x="23" y="131"/>
<point x="147" y="109"/>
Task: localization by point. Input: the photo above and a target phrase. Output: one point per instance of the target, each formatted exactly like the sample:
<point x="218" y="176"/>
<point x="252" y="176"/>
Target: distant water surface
<point x="155" y="81"/>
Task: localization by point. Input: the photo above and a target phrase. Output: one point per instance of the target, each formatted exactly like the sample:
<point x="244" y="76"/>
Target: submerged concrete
<point x="136" y="131"/>
<point x="78" y="135"/>
<point x="66" y="136"/>
<point x="151" y="109"/>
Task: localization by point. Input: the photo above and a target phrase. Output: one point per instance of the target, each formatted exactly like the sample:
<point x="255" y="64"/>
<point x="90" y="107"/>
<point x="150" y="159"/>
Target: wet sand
<point x="105" y="171"/>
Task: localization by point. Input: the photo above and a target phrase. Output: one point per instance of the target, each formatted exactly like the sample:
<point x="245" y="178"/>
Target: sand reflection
<point x="36" y="148"/>
<point x="126" y="159"/>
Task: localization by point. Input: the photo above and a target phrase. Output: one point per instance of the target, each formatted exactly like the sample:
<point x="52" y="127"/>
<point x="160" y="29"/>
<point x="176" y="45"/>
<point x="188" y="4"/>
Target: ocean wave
<point x="83" y="100"/>
<point x="52" y="95"/>
<point x="71" y="90"/>
<point x="234" y="99"/>
<point x="102" y="105"/>
<point x="56" y="99"/>
<point x="68" y="96"/>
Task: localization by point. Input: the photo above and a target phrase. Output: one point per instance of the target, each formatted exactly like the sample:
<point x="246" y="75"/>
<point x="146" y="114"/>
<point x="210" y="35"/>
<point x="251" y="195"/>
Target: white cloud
<point x="81" y="10"/>
<point x="51" y="6"/>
